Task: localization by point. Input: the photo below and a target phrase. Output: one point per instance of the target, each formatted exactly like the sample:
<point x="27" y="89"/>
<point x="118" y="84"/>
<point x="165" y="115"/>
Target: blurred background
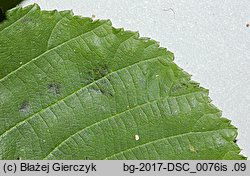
<point x="210" y="40"/>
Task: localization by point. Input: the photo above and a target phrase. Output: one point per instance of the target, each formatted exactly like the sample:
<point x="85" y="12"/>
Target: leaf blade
<point x="91" y="88"/>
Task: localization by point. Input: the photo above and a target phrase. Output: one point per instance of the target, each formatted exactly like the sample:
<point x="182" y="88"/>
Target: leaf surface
<point x="74" y="88"/>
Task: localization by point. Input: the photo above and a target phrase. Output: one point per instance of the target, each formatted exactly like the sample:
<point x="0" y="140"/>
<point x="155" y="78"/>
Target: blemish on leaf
<point x="103" y="87"/>
<point x="26" y="20"/>
<point x="87" y="158"/>
<point x="137" y="137"/>
<point x="100" y="71"/>
<point x="94" y="74"/>
<point x="183" y="86"/>
<point x="191" y="148"/>
<point x="25" y="107"/>
<point x="177" y="87"/>
<point x="95" y="89"/>
<point x="54" y="88"/>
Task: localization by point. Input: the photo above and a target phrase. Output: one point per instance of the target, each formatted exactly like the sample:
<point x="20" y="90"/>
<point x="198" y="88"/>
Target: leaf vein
<point x="111" y="117"/>
<point x="161" y="139"/>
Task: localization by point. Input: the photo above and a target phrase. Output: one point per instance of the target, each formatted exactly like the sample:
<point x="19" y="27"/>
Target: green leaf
<point x="74" y="88"/>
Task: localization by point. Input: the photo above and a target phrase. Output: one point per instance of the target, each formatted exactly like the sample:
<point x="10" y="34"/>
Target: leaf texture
<point x="74" y="88"/>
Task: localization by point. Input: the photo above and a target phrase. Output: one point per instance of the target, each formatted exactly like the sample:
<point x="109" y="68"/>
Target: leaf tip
<point x="32" y="7"/>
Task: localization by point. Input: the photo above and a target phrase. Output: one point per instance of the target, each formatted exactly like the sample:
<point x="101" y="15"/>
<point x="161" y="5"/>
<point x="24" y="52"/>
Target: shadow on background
<point x="6" y="5"/>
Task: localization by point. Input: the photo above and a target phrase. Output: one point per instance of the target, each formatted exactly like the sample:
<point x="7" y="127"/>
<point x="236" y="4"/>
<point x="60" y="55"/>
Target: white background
<point x="209" y="38"/>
